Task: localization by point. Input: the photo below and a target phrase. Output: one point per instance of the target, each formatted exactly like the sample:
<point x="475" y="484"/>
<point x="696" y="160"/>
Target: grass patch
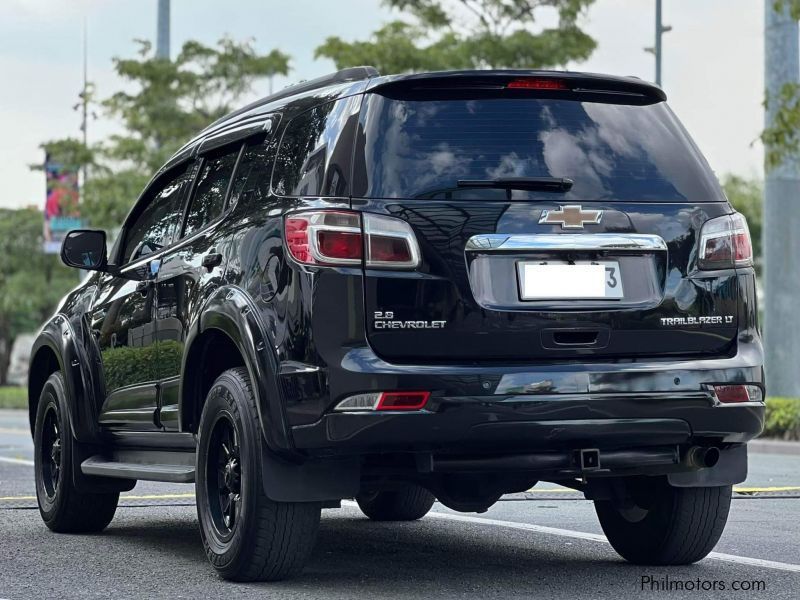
<point x="783" y="419"/>
<point x="13" y="397"/>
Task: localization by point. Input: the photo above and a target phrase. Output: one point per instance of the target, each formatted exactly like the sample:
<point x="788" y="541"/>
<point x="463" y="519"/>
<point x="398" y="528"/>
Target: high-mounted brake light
<point x="338" y="238"/>
<point x="384" y="401"/>
<point x="537" y="83"/>
<point x="725" y="243"/>
<point x="735" y="394"/>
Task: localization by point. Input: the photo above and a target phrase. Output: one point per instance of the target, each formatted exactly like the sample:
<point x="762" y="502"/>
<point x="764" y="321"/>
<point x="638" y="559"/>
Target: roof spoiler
<point x="550" y="83"/>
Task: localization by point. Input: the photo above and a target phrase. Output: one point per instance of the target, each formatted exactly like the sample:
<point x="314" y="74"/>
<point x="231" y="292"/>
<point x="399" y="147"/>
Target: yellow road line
<point x="744" y="490"/>
<point x="756" y="490"/>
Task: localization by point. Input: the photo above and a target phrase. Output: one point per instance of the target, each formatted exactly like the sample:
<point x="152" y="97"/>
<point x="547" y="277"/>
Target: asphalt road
<point x="546" y="543"/>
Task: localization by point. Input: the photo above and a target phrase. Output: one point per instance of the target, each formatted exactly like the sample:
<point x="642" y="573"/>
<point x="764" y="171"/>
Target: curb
<point x="774" y="447"/>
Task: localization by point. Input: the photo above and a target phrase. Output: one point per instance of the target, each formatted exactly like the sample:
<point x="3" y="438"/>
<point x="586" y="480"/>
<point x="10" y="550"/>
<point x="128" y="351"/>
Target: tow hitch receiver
<point x="589" y="459"/>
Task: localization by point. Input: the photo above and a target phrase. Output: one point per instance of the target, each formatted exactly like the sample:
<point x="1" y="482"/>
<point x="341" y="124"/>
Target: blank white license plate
<point x="558" y="280"/>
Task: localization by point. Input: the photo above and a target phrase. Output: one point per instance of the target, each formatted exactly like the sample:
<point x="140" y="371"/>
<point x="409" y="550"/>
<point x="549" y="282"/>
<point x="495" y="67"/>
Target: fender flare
<point x="58" y="335"/>
<point x="231" y="310"/>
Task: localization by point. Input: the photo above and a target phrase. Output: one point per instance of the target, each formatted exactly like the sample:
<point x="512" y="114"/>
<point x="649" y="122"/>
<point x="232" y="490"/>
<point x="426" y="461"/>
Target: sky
<point x="712" y="67"/>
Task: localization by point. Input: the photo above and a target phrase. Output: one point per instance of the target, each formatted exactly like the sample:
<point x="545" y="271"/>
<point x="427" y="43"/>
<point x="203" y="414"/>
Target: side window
<point x="316" y="151"/>
<point x="252" y="175"/>
<point x="158" y="222"/>
<point x="208" y="199"/>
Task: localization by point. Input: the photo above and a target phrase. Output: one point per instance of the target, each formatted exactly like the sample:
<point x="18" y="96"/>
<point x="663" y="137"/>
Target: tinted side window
<point x="252" y="176"/>
<point x="316" y="151"/>
<point x="208" y="199"/>
<point x="157" y="224"/>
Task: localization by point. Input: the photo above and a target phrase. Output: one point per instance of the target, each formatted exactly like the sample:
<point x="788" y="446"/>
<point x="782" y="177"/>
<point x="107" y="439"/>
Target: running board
<point x="148" y="465"/>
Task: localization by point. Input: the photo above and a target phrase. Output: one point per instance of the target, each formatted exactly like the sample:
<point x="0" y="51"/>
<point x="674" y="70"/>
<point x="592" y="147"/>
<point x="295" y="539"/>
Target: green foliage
<point x="31" y="282"/>
<point x="13" y="397"/>
<point x="747" y="197"/>
<point x="129" y="365"/>
<point x="782" y="140"/>
<point x="783" y="418"/>
<point x="162" y="106"/>
<point x="792" y="5"/>
<point x="467" y="34"/>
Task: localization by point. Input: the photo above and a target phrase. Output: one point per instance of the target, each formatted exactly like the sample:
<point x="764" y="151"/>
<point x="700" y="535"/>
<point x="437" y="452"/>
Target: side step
<point x="148" y="465"/>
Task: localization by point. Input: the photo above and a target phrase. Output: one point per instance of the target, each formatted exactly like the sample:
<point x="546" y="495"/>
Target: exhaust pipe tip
<point x="702" y="457"/>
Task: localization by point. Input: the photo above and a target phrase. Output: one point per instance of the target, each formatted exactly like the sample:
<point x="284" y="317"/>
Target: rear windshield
<point x="422" y="148"/>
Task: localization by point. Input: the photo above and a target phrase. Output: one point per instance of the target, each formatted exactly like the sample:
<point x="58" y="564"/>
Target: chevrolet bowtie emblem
<point x="571" y="216"/>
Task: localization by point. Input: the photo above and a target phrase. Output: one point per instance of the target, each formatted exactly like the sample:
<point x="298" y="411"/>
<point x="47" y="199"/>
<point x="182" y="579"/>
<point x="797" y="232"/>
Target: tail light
<point x="384" y="401"/>
<point x="734" y="394"/>
<point x="342" y="238"/>
<point x="725" y="243"/>
<point x="537" y="83"/>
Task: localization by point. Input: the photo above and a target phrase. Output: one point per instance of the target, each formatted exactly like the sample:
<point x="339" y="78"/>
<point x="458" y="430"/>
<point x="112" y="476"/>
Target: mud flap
<point x="313" y="480"/>
<point x="731" y="469"/>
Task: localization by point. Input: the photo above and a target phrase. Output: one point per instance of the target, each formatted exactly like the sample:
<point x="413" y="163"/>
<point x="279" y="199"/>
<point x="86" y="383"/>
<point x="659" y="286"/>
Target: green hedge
<point x="129" y="365"/>
<point x="13" y="397"/>
<point x="783" y="418"/>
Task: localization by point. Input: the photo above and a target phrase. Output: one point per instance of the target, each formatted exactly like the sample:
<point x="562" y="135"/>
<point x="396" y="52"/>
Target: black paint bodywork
<point x="307" y="336"/>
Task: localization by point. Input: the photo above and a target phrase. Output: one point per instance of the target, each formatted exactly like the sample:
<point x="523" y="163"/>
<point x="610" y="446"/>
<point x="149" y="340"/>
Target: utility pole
<point x="661" y="29"/>
<point x="85" y="98"/>
<point x="781" y="240"/>
<point x="162" y="37"/>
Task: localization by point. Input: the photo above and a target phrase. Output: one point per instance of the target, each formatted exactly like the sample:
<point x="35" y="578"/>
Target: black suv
<point x="399" y="288"/>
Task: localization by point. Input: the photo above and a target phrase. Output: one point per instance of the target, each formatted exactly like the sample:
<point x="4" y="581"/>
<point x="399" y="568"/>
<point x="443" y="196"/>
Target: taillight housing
<point x="725" y="243"/>
<point x="345" y="238"/>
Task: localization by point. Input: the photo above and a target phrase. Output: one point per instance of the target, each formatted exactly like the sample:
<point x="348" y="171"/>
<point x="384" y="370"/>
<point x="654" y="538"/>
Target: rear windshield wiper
<point x="543" y="184"/>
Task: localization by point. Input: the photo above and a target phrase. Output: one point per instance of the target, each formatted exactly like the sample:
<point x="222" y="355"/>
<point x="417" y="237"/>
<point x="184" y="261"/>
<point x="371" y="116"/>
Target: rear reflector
<point x="403" y="400"/>
<point x="384" y="401"/>
<point x="537" y="84"/>
<point x="734" y="394"/>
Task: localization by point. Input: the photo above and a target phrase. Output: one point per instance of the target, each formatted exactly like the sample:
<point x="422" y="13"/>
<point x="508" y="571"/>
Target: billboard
<point x="61" y="208"/>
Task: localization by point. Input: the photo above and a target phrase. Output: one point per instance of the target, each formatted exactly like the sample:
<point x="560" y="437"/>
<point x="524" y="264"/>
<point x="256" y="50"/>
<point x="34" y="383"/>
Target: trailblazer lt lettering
<point x="679" y="321"/>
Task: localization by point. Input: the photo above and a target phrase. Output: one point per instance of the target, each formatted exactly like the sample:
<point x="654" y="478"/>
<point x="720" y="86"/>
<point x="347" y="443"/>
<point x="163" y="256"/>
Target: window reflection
<point x="617" y="152"/>
<point x="212" y="185"/>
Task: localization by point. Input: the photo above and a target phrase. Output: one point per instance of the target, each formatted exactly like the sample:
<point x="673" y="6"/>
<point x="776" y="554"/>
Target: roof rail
<point x="342" y="76"/>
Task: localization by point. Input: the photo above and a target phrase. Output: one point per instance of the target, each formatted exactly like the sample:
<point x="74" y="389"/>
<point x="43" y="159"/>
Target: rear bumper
<point x="611" y="406"/>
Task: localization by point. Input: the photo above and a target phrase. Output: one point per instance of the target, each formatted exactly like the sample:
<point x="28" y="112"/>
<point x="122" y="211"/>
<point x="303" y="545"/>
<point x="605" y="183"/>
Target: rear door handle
<point x="212" y="259"/>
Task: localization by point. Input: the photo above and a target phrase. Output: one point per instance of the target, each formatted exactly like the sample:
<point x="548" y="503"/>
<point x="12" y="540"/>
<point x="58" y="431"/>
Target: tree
<point x="467" y="34"/>
<point x="31" y="282"/>
<point x="782" y="139"/>
<point x="165" y="104"/>
<point x="747" y="197"/>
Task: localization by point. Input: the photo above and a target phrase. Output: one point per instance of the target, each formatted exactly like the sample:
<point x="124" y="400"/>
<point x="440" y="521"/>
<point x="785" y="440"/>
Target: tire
<point x="63" y="508"/>
<point x="246" y="536"/>
<point x="665" y="525"/>
<point x="409" y="503"/>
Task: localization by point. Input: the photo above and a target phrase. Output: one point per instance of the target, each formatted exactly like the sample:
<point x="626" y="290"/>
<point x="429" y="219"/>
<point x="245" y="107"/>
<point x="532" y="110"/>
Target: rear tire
<point x="409" y="503"/>
<point x="63" y="508"/>
<point x="246" y="536"/>
<point x="665" y="525"/>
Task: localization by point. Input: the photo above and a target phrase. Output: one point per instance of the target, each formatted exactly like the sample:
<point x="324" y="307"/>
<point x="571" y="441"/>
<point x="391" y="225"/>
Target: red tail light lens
<point x="339" y="245"/>
<point x="324" y="237"/>
<point x="403" y="400"/>
<point x="537" y="83"/>
<point x="725" y="243"/>
<point x="336" y="238"/>
<point x="734" y="394"/>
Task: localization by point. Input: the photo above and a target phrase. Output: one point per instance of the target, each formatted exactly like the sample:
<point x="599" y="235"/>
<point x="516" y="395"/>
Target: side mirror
<point x="85" y="249"/>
